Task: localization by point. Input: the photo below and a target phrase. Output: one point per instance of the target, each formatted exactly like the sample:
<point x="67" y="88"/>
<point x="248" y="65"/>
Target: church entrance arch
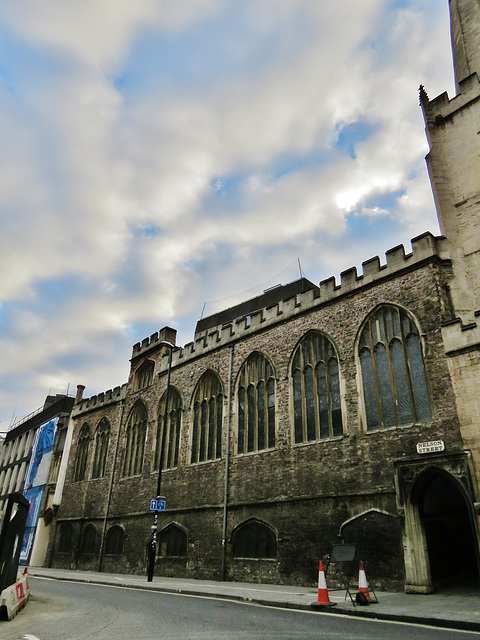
<point x="445" y="517"/>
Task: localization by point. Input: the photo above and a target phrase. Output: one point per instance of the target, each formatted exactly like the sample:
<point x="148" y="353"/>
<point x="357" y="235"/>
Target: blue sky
<point x="161" y="154"/>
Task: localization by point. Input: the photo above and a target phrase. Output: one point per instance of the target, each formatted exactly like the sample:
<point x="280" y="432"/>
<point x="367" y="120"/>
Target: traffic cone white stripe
<point x="322" y="583"/>
<point x="322" y="586"/>
<point x="362" y="582"/>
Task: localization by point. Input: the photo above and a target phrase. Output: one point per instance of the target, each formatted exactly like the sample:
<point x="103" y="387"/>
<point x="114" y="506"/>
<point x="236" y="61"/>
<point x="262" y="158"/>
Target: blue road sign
<point x="158" y="505"/>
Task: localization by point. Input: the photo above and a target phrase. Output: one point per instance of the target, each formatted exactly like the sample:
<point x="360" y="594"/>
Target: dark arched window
<point x="207" y="419"/>
<point x="65" y="542"/>
<point x="256" y="405"/>
<point x="88" y="540"/>
<point x="102" y="440"/>
<point x="170" y="439"/>
<point x="172" y="542"/>
<point x="135" y="434"/>
<point x="316" y="389"/>
<point x="254" y="540"/>
<point x="144" y="375"/>
<point x="393" y="374"/>
<point x="81" y="458"/>
<point x="114" y="541"/>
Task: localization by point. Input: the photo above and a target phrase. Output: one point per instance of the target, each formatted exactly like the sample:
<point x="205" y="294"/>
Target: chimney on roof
<point x="80" y="390"/>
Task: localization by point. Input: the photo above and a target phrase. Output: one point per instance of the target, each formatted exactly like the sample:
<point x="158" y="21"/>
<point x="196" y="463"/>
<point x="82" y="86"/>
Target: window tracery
<point x="256" y="405"/>
<point x="393" y="374"/>
<point x="102" y="440"/>
<point x="82" y="453"/>
<point x="207" y="419"/>
<point x="316" y="390"/>
<point x="144" y="375"/>
<point x="169" y="432"/>
<point x="135" y="434"/>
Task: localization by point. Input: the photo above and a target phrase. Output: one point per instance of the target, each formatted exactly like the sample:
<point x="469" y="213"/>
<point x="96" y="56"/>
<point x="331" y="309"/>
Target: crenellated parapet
<point x="424" y="248"/>
<point x="154" y="342"/>
<point x="442" y="108"/>
<point x="453" y="161"/>
<point x="462" y="348"/>
<point x="460" y="338"/>
<point x="112" y="396"/>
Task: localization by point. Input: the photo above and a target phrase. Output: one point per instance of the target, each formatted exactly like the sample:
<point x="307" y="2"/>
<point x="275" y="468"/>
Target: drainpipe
<point x="110" y="487"/>
<point x="227" y="459"/>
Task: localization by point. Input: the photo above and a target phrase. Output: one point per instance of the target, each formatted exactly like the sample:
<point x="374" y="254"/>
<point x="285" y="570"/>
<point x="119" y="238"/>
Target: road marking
<point x="43" y="578"/>
<point x="248" y="602"/>
<point x="29" y="637"/>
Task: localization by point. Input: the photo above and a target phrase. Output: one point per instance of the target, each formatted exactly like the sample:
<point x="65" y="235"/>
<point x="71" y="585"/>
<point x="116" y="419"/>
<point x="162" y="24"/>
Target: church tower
<point x="465" y="31"/>
<point x="453" y="132"/>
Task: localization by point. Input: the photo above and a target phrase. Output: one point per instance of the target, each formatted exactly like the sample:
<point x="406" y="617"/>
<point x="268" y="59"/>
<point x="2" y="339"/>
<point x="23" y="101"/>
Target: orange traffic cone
<point x="323" y="599"/>
<point x="362" y="582"/>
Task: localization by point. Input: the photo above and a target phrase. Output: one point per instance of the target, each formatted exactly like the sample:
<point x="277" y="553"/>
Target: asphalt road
<point x="77" y="611"/>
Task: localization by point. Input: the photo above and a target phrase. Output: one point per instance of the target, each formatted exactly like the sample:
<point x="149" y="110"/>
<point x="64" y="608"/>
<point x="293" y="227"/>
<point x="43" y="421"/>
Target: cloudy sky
<point x="158" y="155"/>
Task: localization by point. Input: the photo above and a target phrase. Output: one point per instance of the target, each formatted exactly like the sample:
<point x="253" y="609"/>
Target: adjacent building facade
<point x="30" y="459"/>
<point x="308" y="415"/>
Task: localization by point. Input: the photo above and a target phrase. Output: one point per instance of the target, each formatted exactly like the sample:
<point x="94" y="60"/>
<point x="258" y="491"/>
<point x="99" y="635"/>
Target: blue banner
<point x="36" y="480"/>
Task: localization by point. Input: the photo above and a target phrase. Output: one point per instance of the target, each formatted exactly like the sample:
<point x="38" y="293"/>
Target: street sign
<point x="430" y="447"/>
<point x="158" y="505"/>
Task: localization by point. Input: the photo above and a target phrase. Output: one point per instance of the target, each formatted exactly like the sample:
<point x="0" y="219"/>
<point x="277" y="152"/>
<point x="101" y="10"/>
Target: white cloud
<point x="99" y="32"/>
<point x="127" y="194"/>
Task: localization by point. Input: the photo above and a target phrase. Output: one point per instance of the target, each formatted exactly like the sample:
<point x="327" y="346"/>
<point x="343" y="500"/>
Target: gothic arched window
<point x="102" y="440"/>
<point x="114" y="541"/>
<point x="135" y="434"/>
<point x="207" y="419"/>
<point x="393" y="374"/>
<point x="254" y="540"/>
<point x="144" y="375"/>
<point x="256" y="405"/>
<point x="316" y="390"/>
<point x="169" y="440"/>
<point x="81" y="458"/>
<point x="65" y="542"/>
<point x="88" y="540"/>
<point x="172" y="541"/>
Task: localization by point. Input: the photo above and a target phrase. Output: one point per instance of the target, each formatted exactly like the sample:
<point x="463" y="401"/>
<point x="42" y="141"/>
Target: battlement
<point x="111" y="396"/>
<point x="167" y="334"/>
<point x="442" y="107"/>
<point x="459" y="337"/>
<point x="424" y="247"/>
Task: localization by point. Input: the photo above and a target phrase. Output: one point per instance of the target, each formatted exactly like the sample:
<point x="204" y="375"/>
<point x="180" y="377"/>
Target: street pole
<point x="154" y="528"/>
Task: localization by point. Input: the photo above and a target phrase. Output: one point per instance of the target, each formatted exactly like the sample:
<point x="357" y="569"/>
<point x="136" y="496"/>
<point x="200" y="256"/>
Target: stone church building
<point x="310" y="415"/>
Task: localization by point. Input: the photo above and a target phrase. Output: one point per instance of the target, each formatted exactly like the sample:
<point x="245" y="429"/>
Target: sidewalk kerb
<point x="428" y="621"/>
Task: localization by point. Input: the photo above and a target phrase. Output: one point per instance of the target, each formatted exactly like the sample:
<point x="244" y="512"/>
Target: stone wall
<point x="304" y="492"/>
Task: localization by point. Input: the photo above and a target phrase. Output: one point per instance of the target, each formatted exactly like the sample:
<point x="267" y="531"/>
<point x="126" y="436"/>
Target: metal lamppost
<point x="154" y="528"/>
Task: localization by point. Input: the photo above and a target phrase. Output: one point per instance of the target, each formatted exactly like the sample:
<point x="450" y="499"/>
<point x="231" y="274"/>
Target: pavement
<point x="452" y="608"/>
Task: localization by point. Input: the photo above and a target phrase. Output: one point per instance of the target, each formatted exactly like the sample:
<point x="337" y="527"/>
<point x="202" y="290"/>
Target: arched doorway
<point x="447" y="523"/>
